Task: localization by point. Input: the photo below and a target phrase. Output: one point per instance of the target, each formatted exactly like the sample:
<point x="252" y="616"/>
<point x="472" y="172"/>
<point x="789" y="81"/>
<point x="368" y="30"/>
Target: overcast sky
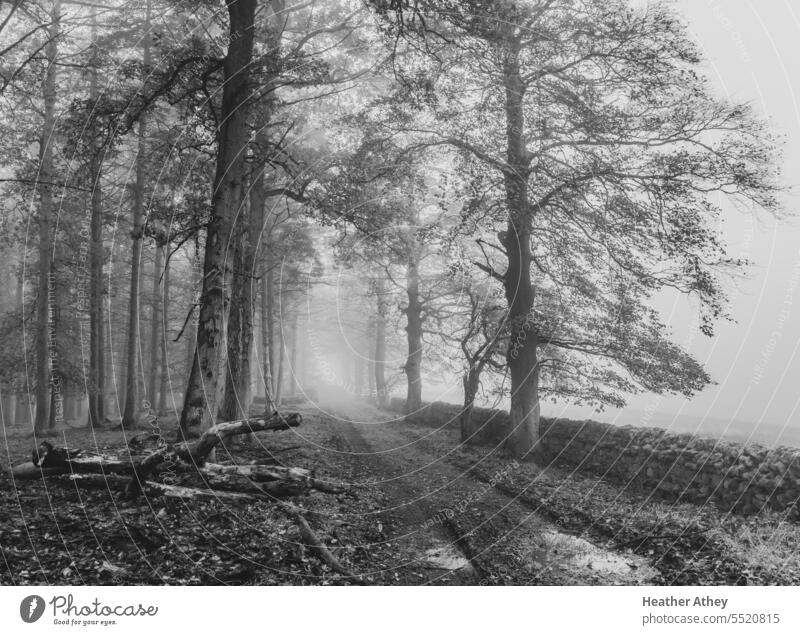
<point x="753" y="55"/>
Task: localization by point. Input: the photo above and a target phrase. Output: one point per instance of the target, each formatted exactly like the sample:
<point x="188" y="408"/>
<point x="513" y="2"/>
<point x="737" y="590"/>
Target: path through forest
<point x="448" y="525"/>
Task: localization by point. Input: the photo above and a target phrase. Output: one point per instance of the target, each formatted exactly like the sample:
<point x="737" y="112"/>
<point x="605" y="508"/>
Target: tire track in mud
<point x="495" y="529"/>
<point x="433" y="543"/>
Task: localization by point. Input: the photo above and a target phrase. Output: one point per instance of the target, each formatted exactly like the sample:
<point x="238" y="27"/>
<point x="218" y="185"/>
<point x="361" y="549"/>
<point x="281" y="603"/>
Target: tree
<point x="131" y="415"/>
<point x="603" y="149"/>
<point x="45" y="328"/>
<point x="202" y="398"/>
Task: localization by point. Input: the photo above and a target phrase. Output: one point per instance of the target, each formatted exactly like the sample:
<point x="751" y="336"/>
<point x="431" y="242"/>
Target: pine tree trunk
<point x="381" y="392"/>
<point x="10" y="408"/>
<point x="371" y="359"/>
<point x="522" y="352"/>
<point x="413" y="365"/>
<point x="24" y="408"/>
<point x="97" y="369"/>
<point x="269" y="296"/>
<point x="293" y="359"/>
<point x="44" y="325"/>
<point x="155" y="326"/>
<point x="165" y="390"/>
<point x="202" y="399"/>
<point x="358" y="374"/>
<point x="280" y="350"/>
<point x="130" y="416"/>
<point x="191" y="325"/>
<point x="266" y="341"/>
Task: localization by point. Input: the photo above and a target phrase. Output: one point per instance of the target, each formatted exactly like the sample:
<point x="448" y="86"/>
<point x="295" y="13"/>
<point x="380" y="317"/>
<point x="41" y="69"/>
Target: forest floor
<point x="419" y="509"/>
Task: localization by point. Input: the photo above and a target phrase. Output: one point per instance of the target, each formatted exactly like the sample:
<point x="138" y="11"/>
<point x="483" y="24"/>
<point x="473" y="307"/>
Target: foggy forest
<point x="290" y="290"/>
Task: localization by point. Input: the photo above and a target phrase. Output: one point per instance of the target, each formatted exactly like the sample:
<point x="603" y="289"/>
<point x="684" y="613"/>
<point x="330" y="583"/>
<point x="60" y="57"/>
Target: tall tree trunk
<point x="130" y="416"/>
<point x="293" y="359"/>
<point x="191" y="320"/>
<point x="471" y="381"/>
<point x="165" y="390"/>
<point x="358" y="373"/>
<point x="266" y="340"/>
<point x="201" y="403"/>
<point x="370" y="359"/>
<point x="238" y="396"/>
<point x="413" y="365"/>
<point x="44" y="312"/>
<point x="273" y="351"/>
<point x="522" y="360"/>
<point x="155" y="328"/>
<point x="280" y="351"/>
<point x="381" y="392"/>
<point x="24" y="408"/>
<point x="69" y="405"/>
<point x="97" y="369"/>
<point x="10" y="407"/>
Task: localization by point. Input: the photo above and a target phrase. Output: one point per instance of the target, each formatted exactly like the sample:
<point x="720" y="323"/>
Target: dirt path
<point x="445" y="525"/>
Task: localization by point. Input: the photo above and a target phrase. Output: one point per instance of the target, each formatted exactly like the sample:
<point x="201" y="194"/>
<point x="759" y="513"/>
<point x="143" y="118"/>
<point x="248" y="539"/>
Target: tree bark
<point x="10" y="408"/>
<point x="280" y="352"/>
<point x="130" y="416"/>
<point x="269" y="305"/>
<point x="191" y="325"/>
<point x="413" y="365"/>
<point x="371" y="338"/>
<point x="201" y="403"/>
<point x="238" y="393"/>
<point x="471" y="381"/>
<point x="293" y="353"/>
<point x="266" y="340"/>
<point x="522" y="360"/>
<point x="165" y="390"/>
<point x="381" y="392"/>
<point x="44" y="312"/>
<point x="155" y="325"/>
<point x="97" y="369"/>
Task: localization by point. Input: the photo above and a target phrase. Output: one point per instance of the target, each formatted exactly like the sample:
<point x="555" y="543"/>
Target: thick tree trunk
<point x="266" y="339"/>
<point x="201" y="403"/>
<point x="191" y="325"/>
<point x="97" y="366"/>
<point x="522" y="360"/>
<point x="44" y="312"/>
<point x="413" y="365"/>
<point x="238" y="395"/>
<point x="130" y="416"/>
<point x="381" y="392"/>
<point x="165" y="389"/>
<point x="471" y="381"/>
<point x="155" y="326"/>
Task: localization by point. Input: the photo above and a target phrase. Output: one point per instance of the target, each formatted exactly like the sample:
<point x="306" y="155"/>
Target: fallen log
<point x="193" y="452"/>
<point x="151" y="488"/>
<point x="317" y="547"/>
<point x="258" y="474"/>
<point x="81" y="464"/>
<point x="196" y="452"/>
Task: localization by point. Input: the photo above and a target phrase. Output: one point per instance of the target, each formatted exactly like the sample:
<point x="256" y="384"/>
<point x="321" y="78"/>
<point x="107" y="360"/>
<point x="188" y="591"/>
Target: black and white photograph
<point x="399" y="293"/>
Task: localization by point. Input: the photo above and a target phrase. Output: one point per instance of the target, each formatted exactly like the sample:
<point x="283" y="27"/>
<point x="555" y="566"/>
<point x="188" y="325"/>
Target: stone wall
<point x="677" y="467"/>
